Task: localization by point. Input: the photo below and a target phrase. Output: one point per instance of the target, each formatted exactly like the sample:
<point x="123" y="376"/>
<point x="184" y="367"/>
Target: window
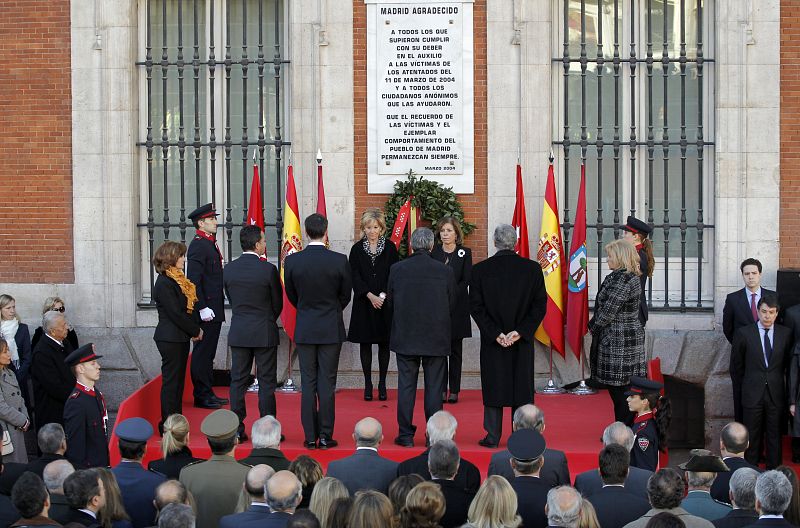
<point x="212" y="74"/>
<point x="635" y="88"/>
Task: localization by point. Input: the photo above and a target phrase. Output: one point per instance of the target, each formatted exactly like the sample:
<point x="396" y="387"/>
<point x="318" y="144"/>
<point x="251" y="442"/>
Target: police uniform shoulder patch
<point x="160" y="474"/>
<point x="643" y="443"/>
<point x="74" y="394"/>
<point x="190" y="464"/>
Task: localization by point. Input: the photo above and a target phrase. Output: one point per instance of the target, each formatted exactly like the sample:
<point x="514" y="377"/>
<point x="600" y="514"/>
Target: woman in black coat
<point x="370" y="260"/>
<point x="459" y="258"/>
<point x="174" y="448"/>
<point x="178" y="323"/>
<point x="617" y="334"/>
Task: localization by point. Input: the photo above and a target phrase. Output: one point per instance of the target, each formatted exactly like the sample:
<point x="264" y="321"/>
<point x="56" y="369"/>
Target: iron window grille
<point x="634" y="78"/>
<point x="212" y="76"/>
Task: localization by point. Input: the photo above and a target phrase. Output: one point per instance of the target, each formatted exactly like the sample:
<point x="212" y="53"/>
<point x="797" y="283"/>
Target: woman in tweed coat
<point x="13" y="414"/>
<point x="617" y="332"/>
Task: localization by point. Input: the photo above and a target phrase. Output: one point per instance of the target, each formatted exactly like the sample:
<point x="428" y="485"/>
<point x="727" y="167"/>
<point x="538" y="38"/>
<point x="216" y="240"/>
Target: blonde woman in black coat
<point x="452" y="252"/>
<point x="178" y="323"/>
<point x="370" y="260"/>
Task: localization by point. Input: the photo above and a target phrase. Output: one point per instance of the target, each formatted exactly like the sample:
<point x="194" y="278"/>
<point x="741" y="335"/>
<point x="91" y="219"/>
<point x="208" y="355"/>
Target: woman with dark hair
<point x="308" y="471"/>
<point x="372" y="509"/>
<point x="653" y="415"/>
<point x="370" y="260"/>
<point x="400" y="487"/>
<point x="455" y="254"/>
<point x="178" y="323"/>
<point x="638" y="233"/>
<point x="424" y="508"/>
<point x="792" y="513"/>
<point x="112" y="514"/>
<point x="617" y="335"/>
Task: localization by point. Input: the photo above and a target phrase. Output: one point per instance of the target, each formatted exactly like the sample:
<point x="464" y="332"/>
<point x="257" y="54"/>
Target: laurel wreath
<point x="433" y="199"/>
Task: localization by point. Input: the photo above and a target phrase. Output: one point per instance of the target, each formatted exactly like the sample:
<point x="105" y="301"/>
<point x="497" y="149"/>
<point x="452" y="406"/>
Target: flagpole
<point x="289" y="386"/>
<point x="583" y="389"/>
<point x="551" y="387"/>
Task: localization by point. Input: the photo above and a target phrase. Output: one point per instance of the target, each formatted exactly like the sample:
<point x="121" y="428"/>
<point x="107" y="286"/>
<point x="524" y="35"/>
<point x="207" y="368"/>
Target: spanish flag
<point x="551" y="257"/>
<point x="292" y="242"/>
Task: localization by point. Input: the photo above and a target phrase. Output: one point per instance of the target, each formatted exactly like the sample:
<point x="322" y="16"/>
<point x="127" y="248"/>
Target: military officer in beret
<point x="526" y="447"/>
<point x="701" y="471"/>
<point x="137" y="485"/>
<point x="653" y="414"/>
<point x="638" y="232"/>
<point x="216" y="483"/>
<point x="85" y="415"/>
<point x="204" y="268"/>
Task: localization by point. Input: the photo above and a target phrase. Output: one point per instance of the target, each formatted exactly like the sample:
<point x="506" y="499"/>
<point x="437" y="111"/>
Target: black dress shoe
<point x="382" y="393"/>
<point x="486" y="443"/>
<point x="404" y="442"/>
<point x="453" y="398"/>
<point x="326" y="443"/>
<point x="207" y="404"/>
<point x="310" y="445"/>
<point x="222" y="401"/>
<point x="368" y="394"/>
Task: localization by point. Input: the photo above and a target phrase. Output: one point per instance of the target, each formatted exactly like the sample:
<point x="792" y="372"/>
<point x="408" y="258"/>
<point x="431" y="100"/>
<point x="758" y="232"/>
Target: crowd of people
<point x="528" y="485"/>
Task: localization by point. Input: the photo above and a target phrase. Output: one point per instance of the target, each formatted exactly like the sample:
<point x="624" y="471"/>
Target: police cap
<point x="134" y="430"/>
<point x="83" y="354"/>
<point x="641" y="386"/>
<point x="634" y="225"/>
<point x="204" y="211"/>
<point x="526" y="445"/>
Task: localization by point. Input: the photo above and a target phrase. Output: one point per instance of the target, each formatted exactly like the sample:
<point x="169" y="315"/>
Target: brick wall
<point x="790" y="135"/>
<point x="36" y="143"/>
<point x="474" y="204"/>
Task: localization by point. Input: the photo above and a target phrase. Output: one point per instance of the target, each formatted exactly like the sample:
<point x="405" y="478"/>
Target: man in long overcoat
<point x="508" y="301"/>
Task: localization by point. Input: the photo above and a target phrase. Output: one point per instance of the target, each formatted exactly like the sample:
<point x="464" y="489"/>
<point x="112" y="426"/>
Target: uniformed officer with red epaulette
<point x="204" y="263"/>
<point x="653" y="415"/>
<point x="85" y="415"/>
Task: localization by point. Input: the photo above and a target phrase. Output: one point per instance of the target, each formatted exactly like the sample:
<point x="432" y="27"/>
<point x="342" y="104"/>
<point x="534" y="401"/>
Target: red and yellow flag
<point x="292" y="242"/>
<point x="551" y="257"/>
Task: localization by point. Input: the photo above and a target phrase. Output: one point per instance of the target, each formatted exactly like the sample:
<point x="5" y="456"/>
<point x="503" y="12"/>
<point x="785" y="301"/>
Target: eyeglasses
<point x="58" y="309"/>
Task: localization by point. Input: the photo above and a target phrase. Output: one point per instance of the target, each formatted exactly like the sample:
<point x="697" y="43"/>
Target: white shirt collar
<point x="259" y="503"/>
<point x="90" y="512"/>
<point x="370" y="448"/>
<point x="770" y="516"/>
<point x="316" y="243"/>
<point x="251" y="253"/>
<point x="60" y="343"/>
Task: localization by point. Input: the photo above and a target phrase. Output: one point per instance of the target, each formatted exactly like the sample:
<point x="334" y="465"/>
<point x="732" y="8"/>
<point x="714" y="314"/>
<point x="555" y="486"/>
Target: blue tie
<point x="767" y="346"/>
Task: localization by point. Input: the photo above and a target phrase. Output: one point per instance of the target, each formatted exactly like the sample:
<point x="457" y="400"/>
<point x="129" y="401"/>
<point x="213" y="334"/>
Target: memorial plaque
<point x="420" y="93"/>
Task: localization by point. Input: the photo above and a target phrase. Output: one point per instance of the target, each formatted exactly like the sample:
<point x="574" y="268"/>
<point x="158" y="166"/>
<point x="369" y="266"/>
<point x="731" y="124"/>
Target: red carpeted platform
<point x="574" y="424"/>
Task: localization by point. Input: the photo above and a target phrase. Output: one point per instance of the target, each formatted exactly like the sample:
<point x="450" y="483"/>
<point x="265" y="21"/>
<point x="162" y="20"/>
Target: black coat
<point x="72" y="337"/>
<point x="274" y="458"/>
<point x="254" y="290"/>
<point x="644" y="267"/>
<point x="172" y="465"/>
<point x="23" y="340"/>
<point x="747" y="364"/>
<point x="204" y="269"/>
<point x="554" y="469"/>
<point x="457" y="501"/>
<point x="736" y="519"/>
<point x="507" y="293"/>
<point x="721" y="485"/>
<point x="175" y="325"/>
<point x="616" y="506"/>
<point x="53" y="380"/>
<point x="13" y="471"/>
<point x="318" y="284"/>
<point x="736" y="313"/>
<point x="531" y="500"/>
<point x="364" y="469"/>
<point x="82" y="518"/>
<point x="368" y="325"/>
<point x="85" y="422"/>
<point x="468" y="477"/>
<point x="589" y="482"/>
<point x="421" y="297"/>
<point x="791" y="320"/>
<point x="460" y="261"/>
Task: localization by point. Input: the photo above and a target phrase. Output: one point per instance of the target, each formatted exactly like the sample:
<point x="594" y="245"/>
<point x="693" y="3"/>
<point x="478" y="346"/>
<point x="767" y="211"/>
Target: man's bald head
<point x="55" y="473"/>
<point x="441" y="426"/>
<point x="283" y="491"/>
<point x="528" y="416"/>
<point x="734" y="439"/>
<point x="170" y="492"/>
<point x="256" y="479"/>
<point x="368" y="433"/>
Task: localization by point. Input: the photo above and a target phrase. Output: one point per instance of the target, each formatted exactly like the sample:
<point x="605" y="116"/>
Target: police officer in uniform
<point x="527" y="447"/>
<point x="216" y="483"/>
<point x="647" y="429"/>
<point x="204" y="268"/>
<point x="638" y="232"/>
<point x="137" y="485"/>
<point x="85" y="415"/>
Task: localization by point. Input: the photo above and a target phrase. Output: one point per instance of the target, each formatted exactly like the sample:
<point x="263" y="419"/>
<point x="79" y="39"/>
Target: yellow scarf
<point x="187" y="287"/>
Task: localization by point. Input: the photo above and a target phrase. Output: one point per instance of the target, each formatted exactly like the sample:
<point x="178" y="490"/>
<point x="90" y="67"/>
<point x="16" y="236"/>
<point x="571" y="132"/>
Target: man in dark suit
<point x="733" y="442"/>
<point x="443" y="462"/>
<point x="590" y="482"/>
<point x="742" y="497"/>
<point x="204" y="263"/>
<point x="54" y="475"/>
<point x="759" y="356"/>
<point x="365" y="469"/>
<point x="614" y="465"/>
<point x="266" y="437"/>
<point x="85" y="414"/>
<point x="554" y="471"/>
<point x="318" y="284"/>
<point x="741" y="309"/>
<point x="137" y="485"/>
<point x="254" y="290"/>
<point x="508" y="301"/>
<point x="442" y="426"/>
<point x="420" y="297"/>
<point x="52" y="444"/>
<point x="53" y="381"/>
<point x="773" y="495"/>
<point x="527" y="456"/>
<point x="86" y="495"/>
<point x="283" y="494"/>
<point x="791" y="319"/>
<point x="253" y="485"/>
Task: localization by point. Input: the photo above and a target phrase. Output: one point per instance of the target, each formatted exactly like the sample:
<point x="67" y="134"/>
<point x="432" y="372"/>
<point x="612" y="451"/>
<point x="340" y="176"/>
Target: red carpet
<point x="574" y="424"/>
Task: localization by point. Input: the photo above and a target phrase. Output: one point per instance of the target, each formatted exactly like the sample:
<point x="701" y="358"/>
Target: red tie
<point x="753" y="306"/>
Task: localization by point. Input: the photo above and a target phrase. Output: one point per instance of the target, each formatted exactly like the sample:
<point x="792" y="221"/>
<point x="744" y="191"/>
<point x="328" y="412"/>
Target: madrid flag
<point x="292" y="242"/>
<point x="550" y="255"/>
<point x="577" y="281"/>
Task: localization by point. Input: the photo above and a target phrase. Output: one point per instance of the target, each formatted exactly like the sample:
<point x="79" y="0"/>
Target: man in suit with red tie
<point x="760" y="354"/>
<point x="741" y="310"/>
